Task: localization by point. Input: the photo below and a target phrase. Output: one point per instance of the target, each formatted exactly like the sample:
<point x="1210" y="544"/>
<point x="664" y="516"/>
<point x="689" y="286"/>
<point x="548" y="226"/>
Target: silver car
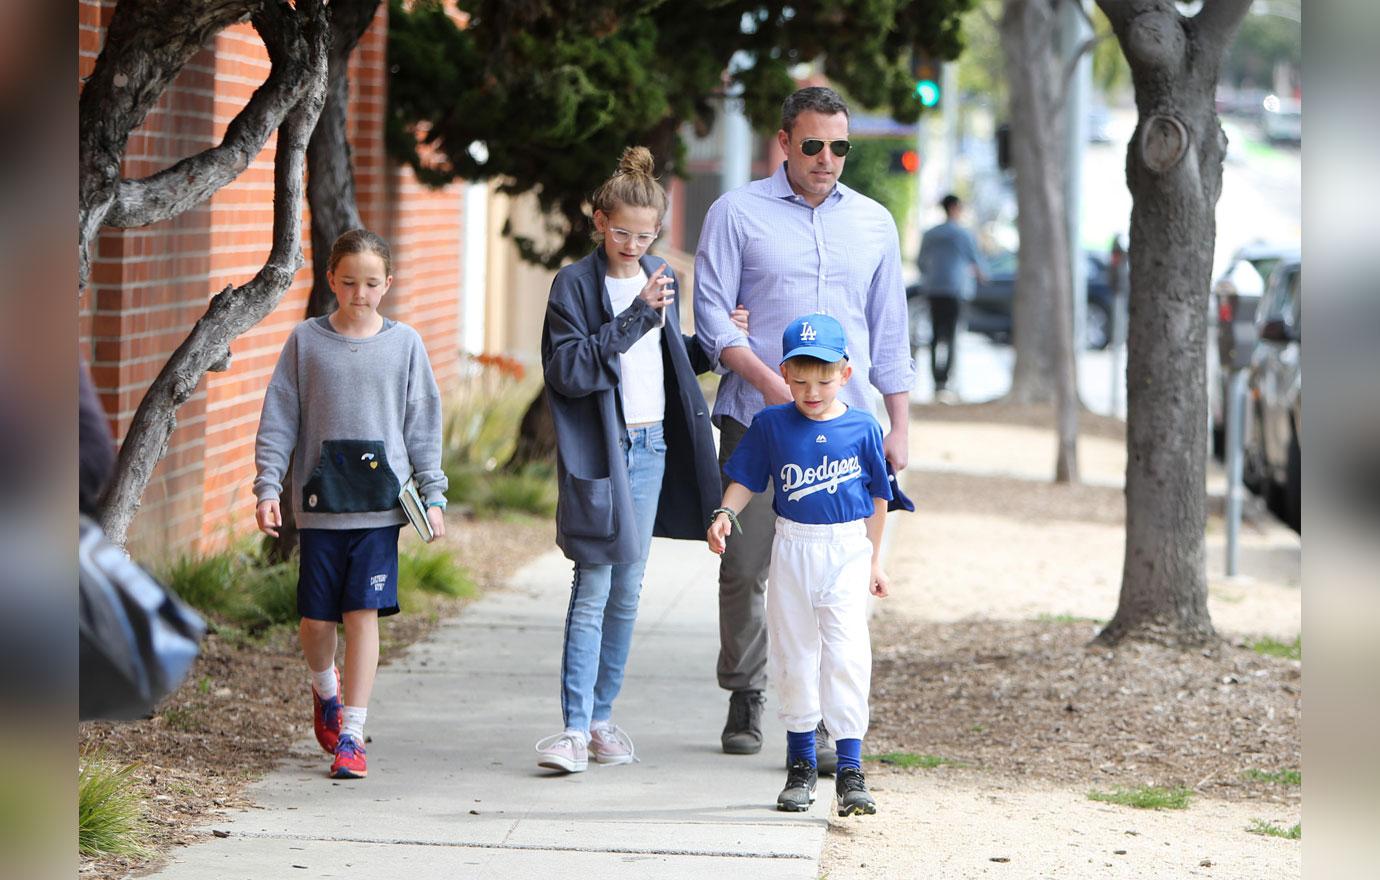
<point x="1273" y="463"/>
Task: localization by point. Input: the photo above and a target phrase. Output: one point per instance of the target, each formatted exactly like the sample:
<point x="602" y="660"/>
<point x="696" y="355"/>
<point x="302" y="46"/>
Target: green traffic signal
<point x="927" y="90"/>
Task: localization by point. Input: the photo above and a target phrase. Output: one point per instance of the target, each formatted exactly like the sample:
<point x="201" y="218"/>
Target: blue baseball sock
<point x="850" y="753"/>
<point x="801" y="745"/>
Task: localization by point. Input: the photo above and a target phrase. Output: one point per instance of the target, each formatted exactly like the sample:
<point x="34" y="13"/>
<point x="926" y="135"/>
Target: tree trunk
<point x="1042" y="309"/>
<point x="298" y="39"/>
<point x="331" y="195"/>
<point x="330" y="171"/>
<point x="1174" y="172"/>
<point x="536" y="442"/>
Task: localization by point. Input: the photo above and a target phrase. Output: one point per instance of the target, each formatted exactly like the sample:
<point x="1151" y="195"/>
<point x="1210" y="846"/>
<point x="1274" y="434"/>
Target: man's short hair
<point x="813" y="366"/>
<point x="817" y="98"/>
<point x="950" y="202"/>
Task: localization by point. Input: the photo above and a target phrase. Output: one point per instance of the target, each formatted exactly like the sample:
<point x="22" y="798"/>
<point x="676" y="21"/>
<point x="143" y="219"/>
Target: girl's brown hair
<point x="360" y="241"/>
<point x="632" y="185"/>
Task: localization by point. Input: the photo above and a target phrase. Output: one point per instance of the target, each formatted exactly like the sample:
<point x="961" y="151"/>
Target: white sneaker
<point x="563" y="751"/>
<point x="611" y="745"/>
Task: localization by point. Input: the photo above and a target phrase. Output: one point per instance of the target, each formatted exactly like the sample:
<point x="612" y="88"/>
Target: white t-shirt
<point x="644" y="395"/>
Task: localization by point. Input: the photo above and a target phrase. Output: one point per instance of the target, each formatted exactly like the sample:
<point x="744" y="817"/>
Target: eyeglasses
<point x="812" y="146"/>
<point x="623" y="236"/>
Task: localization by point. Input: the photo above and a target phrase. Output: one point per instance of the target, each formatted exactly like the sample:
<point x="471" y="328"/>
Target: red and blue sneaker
<point x="349" y="762"/>
<point x="326" y="715"/>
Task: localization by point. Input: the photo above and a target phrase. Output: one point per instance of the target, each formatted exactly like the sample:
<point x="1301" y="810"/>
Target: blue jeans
<point x="603" y="598"/>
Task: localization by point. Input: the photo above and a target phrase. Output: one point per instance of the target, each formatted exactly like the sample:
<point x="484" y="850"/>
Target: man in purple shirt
<point x="794" y="243"/>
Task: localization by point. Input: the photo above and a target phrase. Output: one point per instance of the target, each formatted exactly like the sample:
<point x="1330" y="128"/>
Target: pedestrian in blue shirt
<point x="634" y="448"/>
<point x="825" y="462"/>
<point x="949" y="261"/>
<point x="798" y="241"/>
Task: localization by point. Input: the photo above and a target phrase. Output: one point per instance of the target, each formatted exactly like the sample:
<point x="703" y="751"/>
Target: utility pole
<point x="1074" y="31"/>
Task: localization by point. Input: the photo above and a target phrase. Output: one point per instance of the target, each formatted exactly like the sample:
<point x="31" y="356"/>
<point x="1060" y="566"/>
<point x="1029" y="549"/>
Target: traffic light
<point x="926" y="73"/>
<point x="904" y="162"/>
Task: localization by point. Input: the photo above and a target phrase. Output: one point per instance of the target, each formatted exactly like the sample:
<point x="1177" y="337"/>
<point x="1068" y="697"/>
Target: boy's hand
<point x="718" y="533"/>
<point x="880" y="582"/>
<point x="269" y="517"/>
<point x="739" y="317"/>
<point x="437" y="517"/>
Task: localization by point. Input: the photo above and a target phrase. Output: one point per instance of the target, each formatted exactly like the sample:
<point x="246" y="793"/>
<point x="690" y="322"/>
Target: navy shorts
<point x="347" y="570"/>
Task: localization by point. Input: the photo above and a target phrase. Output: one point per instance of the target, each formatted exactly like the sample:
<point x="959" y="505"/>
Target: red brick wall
<point x="150" y="285"/>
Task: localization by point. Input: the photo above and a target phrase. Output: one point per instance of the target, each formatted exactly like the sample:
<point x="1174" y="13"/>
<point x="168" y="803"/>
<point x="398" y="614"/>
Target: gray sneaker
<point x="826" y="756"/>
<point x="799" y="792"/>
<point x="743" y="731"/>
<point x="851" y="790"/>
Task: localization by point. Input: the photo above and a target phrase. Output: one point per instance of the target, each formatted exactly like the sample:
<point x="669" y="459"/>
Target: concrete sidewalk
<point x="454" y="790"/>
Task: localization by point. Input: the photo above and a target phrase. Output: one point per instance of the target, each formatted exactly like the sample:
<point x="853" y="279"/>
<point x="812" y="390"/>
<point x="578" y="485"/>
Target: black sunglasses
<point x="812" y="146"/>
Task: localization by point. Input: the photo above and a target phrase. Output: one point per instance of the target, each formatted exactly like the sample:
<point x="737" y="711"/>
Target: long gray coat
<point x="580" y="343"/>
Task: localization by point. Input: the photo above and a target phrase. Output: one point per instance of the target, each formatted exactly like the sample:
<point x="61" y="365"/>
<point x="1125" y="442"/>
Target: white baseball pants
<point x="818" y="649"/>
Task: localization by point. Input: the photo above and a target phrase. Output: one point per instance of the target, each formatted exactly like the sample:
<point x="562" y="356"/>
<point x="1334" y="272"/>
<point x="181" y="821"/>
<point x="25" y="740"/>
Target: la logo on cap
<point x="807" y="333"/>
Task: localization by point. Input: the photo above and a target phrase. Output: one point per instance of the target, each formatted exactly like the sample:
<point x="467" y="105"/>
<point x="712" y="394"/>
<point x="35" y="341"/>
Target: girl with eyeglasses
<point x="634" y="451"/>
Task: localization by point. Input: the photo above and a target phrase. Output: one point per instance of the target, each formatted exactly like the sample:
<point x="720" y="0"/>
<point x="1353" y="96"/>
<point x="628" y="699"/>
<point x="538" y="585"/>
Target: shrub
<point x="433" y="571"/>
<point x="110" y="818"/>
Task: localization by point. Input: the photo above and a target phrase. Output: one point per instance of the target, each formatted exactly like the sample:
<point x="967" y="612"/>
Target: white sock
<point x="324" y="683"/>
<point x="600" y="725"/>
<point x="353" y="723"/>
<point x="579" y="734"/>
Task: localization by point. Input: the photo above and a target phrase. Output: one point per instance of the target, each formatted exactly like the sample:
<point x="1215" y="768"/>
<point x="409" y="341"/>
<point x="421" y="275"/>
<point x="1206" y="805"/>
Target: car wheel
<point x="921" y="331"/>
<point x="1293" y="488"/>
<point x="1097" y="326"/>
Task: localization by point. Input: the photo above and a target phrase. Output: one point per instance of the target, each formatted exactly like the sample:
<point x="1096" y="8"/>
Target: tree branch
<point x="1217" y="21"/>
<point x="194" y="179"/>
<point x="233" y="310"/>
<point x="146" y="45"/>
<point x="1071" y="66"/>
<point x="1118" y="12"/>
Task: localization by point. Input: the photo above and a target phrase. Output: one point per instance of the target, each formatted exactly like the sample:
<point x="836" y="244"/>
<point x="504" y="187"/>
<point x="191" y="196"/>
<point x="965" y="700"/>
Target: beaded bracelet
<point x="732" y="517"/>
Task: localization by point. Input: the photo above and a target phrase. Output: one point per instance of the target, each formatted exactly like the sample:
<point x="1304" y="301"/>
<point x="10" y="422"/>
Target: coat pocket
<point x="353" y="476"/>
<point x="585" y="508"/>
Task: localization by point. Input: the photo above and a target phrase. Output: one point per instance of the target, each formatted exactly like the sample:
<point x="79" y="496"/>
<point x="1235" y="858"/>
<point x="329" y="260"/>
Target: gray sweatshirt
<point x="357" y="417"/>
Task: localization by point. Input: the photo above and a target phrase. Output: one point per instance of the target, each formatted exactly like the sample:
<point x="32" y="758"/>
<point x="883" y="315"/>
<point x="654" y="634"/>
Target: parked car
<point x="1282" y="120"/>
<point x="1234" y="297"/>
<point x="1272" y="460"/>
<point x="989" y="312"/>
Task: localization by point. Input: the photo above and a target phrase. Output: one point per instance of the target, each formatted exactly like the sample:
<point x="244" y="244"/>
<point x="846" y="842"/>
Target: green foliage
<point x="1269" y="829"/>
<point x="555" y="89"/>
<point x="236" y="587"/>
<point x="1262" y="42"/>
<point x="869" y="172"/>
<point x="909" y="760"/>
<point x="1272" y="647"/>
<point x="433" y="570"/>
<point x="1278" y="777"/>
<point x="1145" y="797"/>
<point x="1110" y="72"/>
<point x="110" y="816"/>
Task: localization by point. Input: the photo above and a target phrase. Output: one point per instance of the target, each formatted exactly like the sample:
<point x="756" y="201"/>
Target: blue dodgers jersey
<point x="824" y="472"/>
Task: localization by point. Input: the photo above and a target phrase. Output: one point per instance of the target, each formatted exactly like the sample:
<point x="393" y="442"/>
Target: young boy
<point x="354" y="406"/>
<point x="831" y="499"/>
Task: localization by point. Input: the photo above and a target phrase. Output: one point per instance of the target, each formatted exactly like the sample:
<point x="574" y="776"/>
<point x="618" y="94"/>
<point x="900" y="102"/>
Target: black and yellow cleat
<point x="851" y="790"/>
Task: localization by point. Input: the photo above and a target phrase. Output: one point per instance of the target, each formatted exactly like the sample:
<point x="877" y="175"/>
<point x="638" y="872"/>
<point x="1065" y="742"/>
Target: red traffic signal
<point x="905" y="161"/>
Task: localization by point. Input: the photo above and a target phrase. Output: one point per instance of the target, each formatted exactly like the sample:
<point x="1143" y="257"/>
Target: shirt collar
<point x="780" y="187"/>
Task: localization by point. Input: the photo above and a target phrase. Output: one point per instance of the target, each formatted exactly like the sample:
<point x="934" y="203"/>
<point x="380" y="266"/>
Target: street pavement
<point x="453" y="787"/>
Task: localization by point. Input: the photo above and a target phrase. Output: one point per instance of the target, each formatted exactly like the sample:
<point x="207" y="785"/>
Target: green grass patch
<point x="1278" y="777"/>
<point x="237" y="587"/>
<point x="910" y="760"/>
<point x="1068" y="618"/>
<point x="1272" y="647"/>
<point x="494" y="493"/>
<point x="433" y="571"/>
<point x="110" y="815"/>
<point x="1145" y="797"/>
<point x="1270" y="829"/>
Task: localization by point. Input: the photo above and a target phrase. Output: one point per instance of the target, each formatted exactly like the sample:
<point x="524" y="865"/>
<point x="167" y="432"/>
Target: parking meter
<point x="1235" y="342"/>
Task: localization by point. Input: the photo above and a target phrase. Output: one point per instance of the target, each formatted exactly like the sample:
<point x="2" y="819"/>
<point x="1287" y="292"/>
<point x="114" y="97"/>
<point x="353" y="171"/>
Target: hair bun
<point x="636" y="160"/>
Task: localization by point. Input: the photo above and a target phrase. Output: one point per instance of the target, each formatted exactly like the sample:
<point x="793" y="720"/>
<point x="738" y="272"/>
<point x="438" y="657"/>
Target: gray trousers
<point x="743" y="582"/>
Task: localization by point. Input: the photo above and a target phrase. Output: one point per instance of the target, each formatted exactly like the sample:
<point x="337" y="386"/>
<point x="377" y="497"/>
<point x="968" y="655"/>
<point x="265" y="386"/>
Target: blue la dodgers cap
<point x="816" y="336"/>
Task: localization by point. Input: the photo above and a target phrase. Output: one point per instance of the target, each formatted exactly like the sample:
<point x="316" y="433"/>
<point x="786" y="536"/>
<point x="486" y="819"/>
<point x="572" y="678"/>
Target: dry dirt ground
<point x="982" y="658"/>
<point x="245" y="703"/>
